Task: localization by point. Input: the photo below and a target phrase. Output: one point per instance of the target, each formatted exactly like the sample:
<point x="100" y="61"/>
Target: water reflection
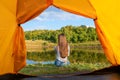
<point x="36" y="62"/>
<point x="48" y="57"/>
<point x="47" y="62"/>
<point x="31" y="62"/>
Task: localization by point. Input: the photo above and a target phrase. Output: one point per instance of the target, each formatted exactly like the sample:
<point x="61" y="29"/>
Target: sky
<point x="53" y="19"/>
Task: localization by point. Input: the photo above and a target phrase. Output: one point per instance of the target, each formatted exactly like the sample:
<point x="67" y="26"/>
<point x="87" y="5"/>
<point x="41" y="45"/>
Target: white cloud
<point x="55" y="15"/>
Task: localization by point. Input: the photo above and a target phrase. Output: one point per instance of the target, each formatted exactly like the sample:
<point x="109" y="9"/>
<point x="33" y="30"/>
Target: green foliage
<point x="74" y="34"/>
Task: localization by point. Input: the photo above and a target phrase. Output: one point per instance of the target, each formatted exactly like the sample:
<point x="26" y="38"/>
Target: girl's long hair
<point x="63" y="45"/>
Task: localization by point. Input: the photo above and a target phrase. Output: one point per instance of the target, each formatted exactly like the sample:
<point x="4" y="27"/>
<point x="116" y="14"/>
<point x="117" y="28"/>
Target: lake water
<point x="36" y="62"/>
<point x="48" y="57"/>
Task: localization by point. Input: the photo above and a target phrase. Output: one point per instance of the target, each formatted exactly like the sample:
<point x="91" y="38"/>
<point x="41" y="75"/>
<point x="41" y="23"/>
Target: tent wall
<point x="80" y="7"/>
<point x="7" y="29"/>
<point x="28" y="9"/>
<point x="108" y="26"/>
<point x="12" y="42"/>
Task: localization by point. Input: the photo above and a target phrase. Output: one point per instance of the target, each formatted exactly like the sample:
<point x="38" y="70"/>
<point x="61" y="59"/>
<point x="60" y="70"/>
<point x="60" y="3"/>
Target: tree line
<point x="74" y="34"/>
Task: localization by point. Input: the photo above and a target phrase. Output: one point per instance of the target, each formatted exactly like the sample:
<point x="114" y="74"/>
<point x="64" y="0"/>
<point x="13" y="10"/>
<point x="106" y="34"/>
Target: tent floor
<point x="88" y="77"/>
<point x="110" y="73"/>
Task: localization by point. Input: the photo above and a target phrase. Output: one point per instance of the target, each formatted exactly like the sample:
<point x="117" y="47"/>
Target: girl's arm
<point x="68" y="50"/>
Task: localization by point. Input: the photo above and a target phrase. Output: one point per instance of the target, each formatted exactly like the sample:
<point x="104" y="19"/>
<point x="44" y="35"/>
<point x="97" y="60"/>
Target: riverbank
<point x="40" y="45"/>
<point x="85" y="59"/>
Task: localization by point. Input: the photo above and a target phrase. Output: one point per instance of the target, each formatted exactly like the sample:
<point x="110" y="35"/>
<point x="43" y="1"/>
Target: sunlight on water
<point x="41" y="62"/>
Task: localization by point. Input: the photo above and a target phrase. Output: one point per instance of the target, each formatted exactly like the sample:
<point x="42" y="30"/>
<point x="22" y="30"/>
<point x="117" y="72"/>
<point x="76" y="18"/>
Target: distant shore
<point x="39" y="45"/>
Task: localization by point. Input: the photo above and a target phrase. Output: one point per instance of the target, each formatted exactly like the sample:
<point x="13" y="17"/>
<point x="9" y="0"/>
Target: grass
<point x="39" y="69"/>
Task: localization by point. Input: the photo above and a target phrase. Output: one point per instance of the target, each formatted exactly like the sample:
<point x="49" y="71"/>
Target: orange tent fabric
<point x="15" y="12"/>
<point x="107" y="24"/>
<point x="80" y="7"/>
<point x="26" y="10"/>
<point x="7" y="29"/>
<point x="13" y="49"/>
